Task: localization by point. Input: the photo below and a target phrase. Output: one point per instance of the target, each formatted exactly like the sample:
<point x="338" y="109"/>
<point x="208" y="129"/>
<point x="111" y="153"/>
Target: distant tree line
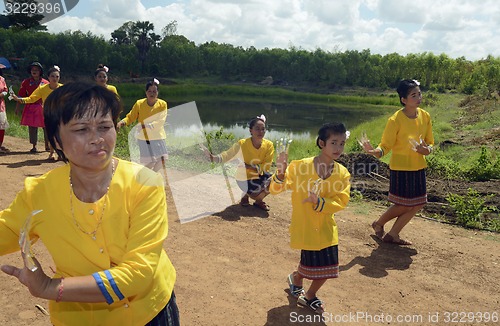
<point x="135" y="50"/>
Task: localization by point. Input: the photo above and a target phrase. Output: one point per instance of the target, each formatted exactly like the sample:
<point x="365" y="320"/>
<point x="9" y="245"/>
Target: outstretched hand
<point x="37" y="282"/>
<point x="281" y="163"/>
<point x="364" y="142"/>
<point x="206" y="153"/>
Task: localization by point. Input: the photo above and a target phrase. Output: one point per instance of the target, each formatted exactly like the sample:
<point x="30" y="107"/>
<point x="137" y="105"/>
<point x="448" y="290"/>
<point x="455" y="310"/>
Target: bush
<point x="487" y="167"/>
<point x="443" y="167"/>
<point x="218" y="140"/>
<point x="470" y="209"/>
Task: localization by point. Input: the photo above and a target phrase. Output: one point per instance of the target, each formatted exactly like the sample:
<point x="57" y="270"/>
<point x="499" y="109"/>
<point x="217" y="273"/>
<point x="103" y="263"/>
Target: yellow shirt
<point x="313" y="225"/>
<point x="396" y="137"/>
<point x="152" y="117"/>
<point x="41" y="92"/>
<point x="112" y="88"/>
<point x="262" y="158"/>
<point x="127" y="258"/>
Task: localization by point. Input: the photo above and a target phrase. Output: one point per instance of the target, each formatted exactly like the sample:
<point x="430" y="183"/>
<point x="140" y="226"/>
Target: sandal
<point x="314" y="304"/>
<point x="244" y="201"/>
<point x="261" y="205"/>
<point x="4" y="149"/>
<point x="295" y="290"/>
<point x="33" y="150"/>
<point x="401" y="242"/>
<point x="378" y="229"/>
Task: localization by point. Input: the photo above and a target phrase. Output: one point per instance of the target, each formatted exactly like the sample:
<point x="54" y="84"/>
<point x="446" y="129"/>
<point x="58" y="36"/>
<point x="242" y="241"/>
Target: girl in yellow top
<point x="101" y="78"/>
<point x="253" y="174"/>
<point x="320" y="187"/>
<point x="42" y="92"/>
<point x="106" y="228"/>
<point x="151" y="112"/>
<point x="408" y="134"/>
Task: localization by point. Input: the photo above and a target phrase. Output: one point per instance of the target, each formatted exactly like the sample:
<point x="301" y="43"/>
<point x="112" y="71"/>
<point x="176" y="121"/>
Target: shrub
<point x="487" y="167"/>
<point x="470" y="209"/>
<point x="443" y="167"/>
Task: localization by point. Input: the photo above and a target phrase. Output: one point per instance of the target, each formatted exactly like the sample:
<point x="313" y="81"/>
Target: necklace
<point x="91" y="211"/>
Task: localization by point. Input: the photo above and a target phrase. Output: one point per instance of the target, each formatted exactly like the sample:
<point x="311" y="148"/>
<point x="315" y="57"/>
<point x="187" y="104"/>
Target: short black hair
<point x="252" y="122"/>
<point x="328" y="129"/>
<point x="75" y="100"/>
<point x="404" y="88"/>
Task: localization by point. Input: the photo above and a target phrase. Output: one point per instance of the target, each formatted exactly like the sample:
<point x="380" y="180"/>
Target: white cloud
<point x="456" y="27"/>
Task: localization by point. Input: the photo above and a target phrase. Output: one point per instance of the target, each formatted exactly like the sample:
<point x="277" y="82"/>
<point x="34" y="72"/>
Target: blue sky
<point x="457" y="28"/>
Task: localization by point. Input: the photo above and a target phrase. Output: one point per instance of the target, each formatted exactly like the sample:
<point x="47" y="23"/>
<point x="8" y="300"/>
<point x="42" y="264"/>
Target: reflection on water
<point x="293" y="119"/>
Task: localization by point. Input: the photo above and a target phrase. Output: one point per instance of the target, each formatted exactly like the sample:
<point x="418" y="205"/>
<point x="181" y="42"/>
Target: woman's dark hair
<point x="52" y="69"/>
<point x="329" y="129"/>
<point x="151" y="83"/>
<point x="252" y="122"/>
<point x="76" y="100"/>
<point x="404" y="88"/>
<point x="100" y="67"/>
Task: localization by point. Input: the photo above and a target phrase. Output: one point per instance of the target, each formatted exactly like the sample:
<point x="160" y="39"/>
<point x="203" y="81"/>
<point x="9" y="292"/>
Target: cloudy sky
<point x="468" y="28"/>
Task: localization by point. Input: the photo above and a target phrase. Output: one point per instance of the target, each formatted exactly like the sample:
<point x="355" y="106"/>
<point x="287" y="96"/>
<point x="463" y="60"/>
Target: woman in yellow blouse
<point x="320" y="187"/>
<point x="42" y="92"/>
<point x="408" y="134"/>
<point x="106" y="228"/>
<point x="253" y="174"/>
<point x="101" y="78"/>
<point x="151" y="112"/>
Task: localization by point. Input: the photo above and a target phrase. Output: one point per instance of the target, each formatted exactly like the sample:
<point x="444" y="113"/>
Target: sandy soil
<point x="232" y="266"/>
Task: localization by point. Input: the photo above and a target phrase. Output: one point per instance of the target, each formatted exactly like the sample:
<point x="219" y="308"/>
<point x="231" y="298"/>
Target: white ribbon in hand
<point x="25" y="243"/>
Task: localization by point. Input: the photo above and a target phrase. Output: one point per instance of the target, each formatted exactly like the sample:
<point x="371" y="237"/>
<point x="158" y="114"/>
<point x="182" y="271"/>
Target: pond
<point x="293" y="119"/>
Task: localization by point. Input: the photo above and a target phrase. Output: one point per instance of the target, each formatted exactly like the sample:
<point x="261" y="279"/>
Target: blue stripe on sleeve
<point x="100" y="284"/>
<point x="113" y="285"/>
<point x="317" y="204"/>
<point x="322" y="204"/>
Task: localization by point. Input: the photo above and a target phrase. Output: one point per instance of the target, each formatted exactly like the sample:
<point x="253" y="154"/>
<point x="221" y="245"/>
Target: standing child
<point x="408" y="134"/>
<point x="3" y="114"/>
<point x="320" y="188"/>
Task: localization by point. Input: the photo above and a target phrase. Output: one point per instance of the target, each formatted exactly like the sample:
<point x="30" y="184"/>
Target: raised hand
<point x="281" y="163"/>
<point x="364" y="142"/>
<point x="37" y="282"/>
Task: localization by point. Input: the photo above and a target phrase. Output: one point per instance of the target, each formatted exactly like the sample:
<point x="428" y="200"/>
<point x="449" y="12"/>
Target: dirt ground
<point x="232" y="266"/>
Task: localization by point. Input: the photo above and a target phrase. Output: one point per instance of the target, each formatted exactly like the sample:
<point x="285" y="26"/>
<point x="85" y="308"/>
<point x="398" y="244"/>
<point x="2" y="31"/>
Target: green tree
<point x="24" y="21"/>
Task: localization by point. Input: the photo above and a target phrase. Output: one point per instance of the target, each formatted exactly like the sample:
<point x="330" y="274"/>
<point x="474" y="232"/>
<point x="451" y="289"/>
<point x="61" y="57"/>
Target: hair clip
<point x="416" y="82"/>
<point x="57" y="68"/>
<point x="347" y="134"/>
<point x="106" y="69"/>
<point x="156" y="81"/>
<point x="262" y="117"/>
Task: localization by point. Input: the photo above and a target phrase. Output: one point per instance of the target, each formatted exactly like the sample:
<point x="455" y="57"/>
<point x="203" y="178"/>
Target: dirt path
<point x="232" y="267"/>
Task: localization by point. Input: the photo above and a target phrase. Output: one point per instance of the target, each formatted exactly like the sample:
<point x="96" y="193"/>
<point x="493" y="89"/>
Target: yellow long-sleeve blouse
<point x="152" y="117"/>
<point x="41" y="92"/>
<point x="112" y="88"/>
<point x="262" y="158"/>
<point x="396" y="137"/>
<point x="127" y="259"/>
<point x="313" y="225"/>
